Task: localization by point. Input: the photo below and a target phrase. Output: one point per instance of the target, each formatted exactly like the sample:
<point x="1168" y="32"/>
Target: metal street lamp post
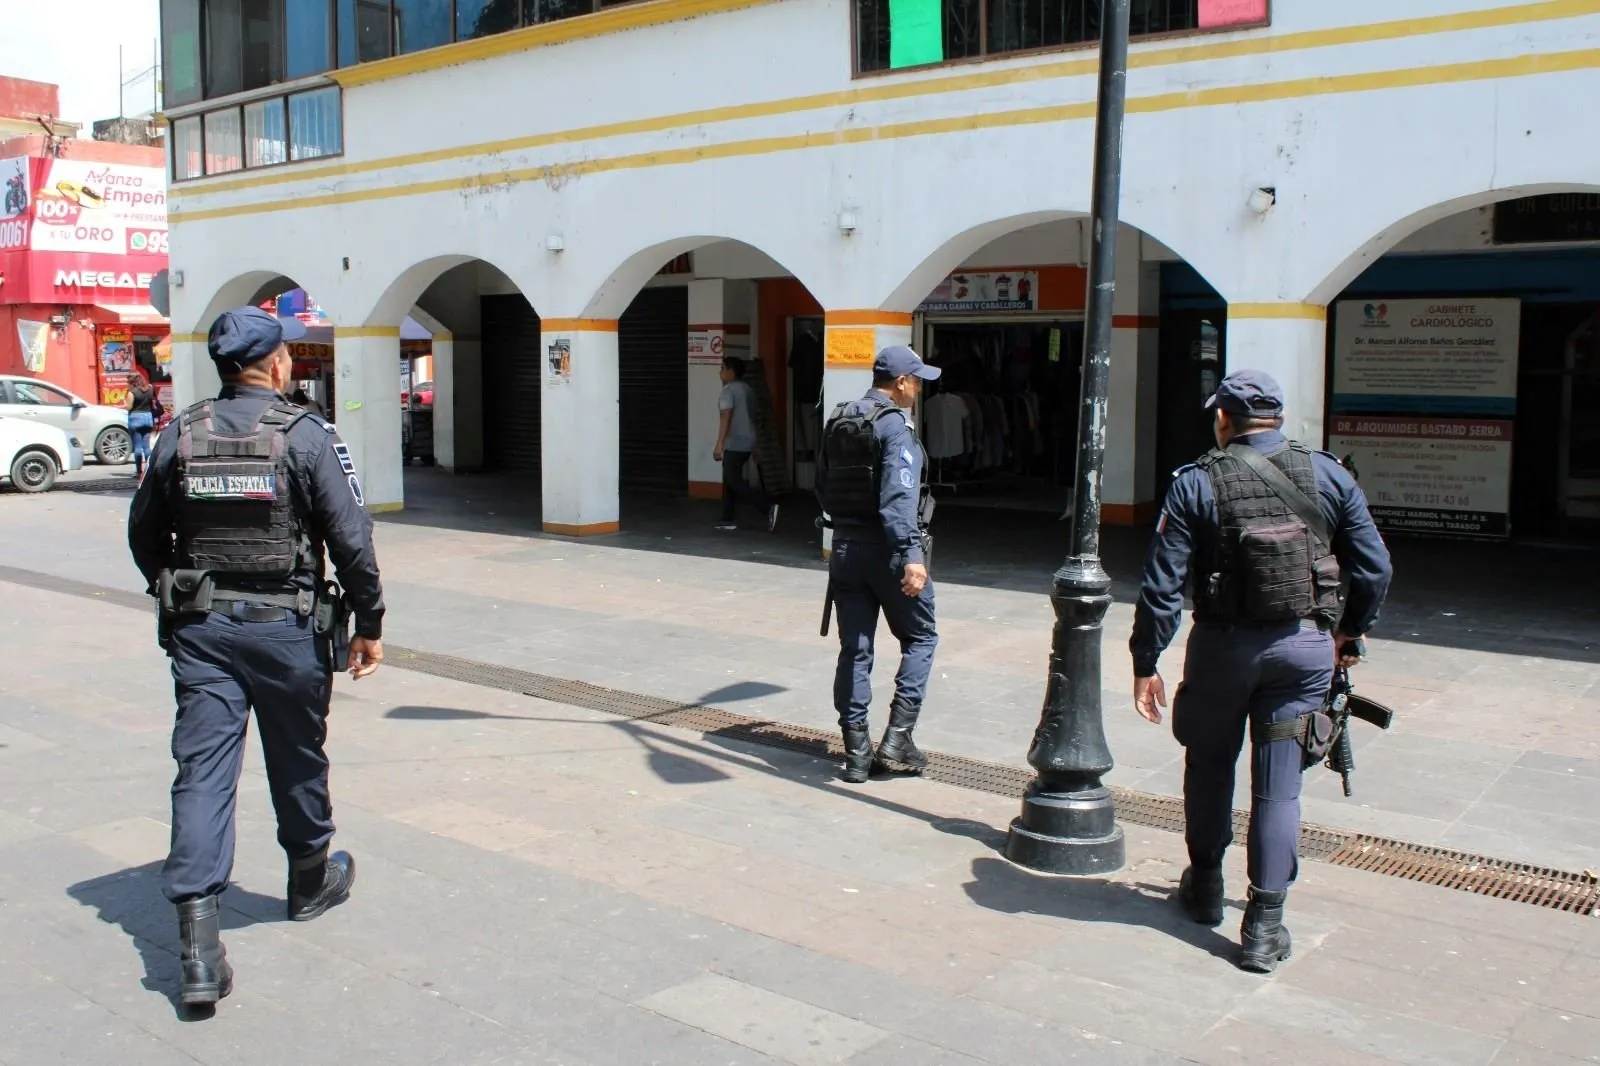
<point x="1069" y="820"/>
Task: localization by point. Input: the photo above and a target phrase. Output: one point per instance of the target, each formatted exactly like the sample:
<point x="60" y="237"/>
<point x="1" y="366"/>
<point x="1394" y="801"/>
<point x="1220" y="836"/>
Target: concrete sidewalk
<point x="1496" y="751"/>
<point x="544" y="885"/>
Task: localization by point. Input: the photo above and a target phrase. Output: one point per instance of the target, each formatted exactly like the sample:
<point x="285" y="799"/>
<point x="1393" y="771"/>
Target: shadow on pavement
<point x="132" y="900"/>
<point x="997" y="884"/>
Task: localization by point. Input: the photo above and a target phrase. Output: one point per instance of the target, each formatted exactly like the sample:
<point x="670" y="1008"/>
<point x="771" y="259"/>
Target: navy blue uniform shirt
<point x="1188" y="528"/>
<point x="899" y="482"/>
<point x="322" y="494"/>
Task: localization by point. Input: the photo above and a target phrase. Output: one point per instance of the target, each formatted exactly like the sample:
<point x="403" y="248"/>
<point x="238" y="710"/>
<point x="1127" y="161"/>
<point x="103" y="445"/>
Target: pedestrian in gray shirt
<point x="736" y="442"/>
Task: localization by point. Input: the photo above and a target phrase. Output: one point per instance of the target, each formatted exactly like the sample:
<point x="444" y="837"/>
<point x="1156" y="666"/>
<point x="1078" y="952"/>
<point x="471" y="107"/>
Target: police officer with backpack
<point x="869" y="481"/>
<point x="244" y="494"/>
<point x="1263" y="530"/>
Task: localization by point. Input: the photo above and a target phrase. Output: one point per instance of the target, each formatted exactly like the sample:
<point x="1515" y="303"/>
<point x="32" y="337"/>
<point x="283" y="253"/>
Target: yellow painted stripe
<point x="1261" y="92"/>
<point x="600" y="24"/>
<point x="833" y="319"/>
<point x="190" y="338"/>
<point x="1311" y="312"/>
<point x="1142" y="57"/>
<point x="577" y="325"/>
<point x="365" y="331"/>
<point x="385" y="508"/>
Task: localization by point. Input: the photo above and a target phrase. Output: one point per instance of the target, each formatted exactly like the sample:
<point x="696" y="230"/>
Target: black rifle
<point x="1343" y="705"/>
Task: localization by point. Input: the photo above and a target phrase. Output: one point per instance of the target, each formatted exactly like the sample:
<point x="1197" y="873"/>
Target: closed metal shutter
<point x="653" y="358"/>
<point x="511" y="379"/>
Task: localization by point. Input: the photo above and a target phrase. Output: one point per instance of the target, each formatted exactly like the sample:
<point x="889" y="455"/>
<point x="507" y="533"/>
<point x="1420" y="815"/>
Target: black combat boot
<point x="897" y="751"/>
<point x="857" y="753"/>
<point x="1200" y="892"/>
<point x="318" y="882"/>
<point x="1266" y="942"/>
<point x="207" y="977"/>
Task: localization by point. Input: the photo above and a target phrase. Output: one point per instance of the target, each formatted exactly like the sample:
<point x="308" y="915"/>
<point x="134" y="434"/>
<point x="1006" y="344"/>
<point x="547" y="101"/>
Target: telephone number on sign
<point x="1424" y="499"/>
<point x="147" y="242"/>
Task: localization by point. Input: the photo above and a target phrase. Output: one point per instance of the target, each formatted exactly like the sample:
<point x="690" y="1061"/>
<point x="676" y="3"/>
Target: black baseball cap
<point x="1249" y="394"/>
<point x="248" y="335"/>
<point x="898" y="361"/>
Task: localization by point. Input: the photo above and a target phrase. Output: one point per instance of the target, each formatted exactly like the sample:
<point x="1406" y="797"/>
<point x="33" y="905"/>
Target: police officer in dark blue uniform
<point x="869" y="480"/>
<point x="1262" y="529"/>
<point x="243" y="495"/>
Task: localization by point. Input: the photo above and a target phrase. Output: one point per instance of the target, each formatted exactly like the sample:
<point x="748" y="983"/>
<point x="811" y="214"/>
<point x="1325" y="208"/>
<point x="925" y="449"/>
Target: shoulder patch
<point x="905" y="457"/>
<point x="1161" y="523"/>
<point x="906" y="479"/>
<point x="355" y="490"/>
<point x="342" y="450"/>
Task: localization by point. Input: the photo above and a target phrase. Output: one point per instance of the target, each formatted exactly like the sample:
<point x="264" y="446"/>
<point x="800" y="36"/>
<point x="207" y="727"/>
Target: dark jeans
<point x="221" y="668"/>
<point x="1231" y="676"/>
<point x="735" y="489"/>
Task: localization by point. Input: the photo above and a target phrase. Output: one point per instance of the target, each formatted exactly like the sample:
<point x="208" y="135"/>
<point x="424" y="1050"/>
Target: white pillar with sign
<point x="367" y="411"/>
<point x="579" y="426"/>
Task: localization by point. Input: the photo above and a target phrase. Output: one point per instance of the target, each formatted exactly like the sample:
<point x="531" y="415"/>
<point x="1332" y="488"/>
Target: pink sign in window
<point x="1214" y="13"/>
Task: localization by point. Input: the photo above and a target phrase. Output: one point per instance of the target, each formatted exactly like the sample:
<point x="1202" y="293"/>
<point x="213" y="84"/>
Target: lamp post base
<point x="1067" y="832"/>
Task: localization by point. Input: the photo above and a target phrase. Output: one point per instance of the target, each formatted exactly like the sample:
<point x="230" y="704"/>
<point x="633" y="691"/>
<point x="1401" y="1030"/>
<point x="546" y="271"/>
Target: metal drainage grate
<point x="1481" y="875"/>
<point x="1542" y="887"/>
<point x="107" y="484"/>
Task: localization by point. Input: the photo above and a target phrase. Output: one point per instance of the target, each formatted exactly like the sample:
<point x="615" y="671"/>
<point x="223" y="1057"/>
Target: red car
<point x="424" y="395"/>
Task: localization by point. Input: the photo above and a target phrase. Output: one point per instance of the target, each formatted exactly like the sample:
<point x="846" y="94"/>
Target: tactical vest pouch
<point x="855" y="462"/>
<point x="1276" y="573"/>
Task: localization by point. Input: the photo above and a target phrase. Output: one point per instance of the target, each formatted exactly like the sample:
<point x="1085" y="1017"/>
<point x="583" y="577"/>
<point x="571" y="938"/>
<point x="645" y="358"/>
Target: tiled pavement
<point x="545" y="885"/>
<point x="1496" y="750"/>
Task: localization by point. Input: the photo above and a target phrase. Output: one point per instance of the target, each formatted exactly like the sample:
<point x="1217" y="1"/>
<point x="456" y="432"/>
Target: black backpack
<point x="855" y="461"/>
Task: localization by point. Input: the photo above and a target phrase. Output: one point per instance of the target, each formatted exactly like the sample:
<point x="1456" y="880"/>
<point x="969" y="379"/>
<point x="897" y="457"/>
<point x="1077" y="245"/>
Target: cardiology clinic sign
<point x="1424" y="393"/>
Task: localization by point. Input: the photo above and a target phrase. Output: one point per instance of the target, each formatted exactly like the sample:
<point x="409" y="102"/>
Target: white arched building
<point x="1323" y="151"/>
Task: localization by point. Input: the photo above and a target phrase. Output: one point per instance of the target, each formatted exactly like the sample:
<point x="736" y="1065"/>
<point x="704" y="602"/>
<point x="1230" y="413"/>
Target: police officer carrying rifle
<point x="229" y="527"/>
<point x="1262" y="528"/>
<point x="869" y="480"/>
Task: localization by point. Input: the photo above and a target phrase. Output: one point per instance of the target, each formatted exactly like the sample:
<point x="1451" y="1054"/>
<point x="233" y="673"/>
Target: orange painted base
<point x="1129" y="514"/>
<point x="594" y="529"/>
<point x="705" y="490"/>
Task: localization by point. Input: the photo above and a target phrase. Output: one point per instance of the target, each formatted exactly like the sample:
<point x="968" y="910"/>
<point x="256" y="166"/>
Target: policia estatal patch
<point x="231" y="487"/>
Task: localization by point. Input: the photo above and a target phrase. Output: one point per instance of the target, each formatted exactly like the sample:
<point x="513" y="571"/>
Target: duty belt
<point x="196" y="592"/>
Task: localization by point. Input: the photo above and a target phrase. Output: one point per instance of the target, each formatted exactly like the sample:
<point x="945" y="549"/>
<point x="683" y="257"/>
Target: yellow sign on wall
<point x="850" y="347"/>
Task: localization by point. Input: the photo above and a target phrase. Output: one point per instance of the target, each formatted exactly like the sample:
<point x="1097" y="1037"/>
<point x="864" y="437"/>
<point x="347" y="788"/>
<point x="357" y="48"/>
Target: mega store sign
<point x="93" y="232"/>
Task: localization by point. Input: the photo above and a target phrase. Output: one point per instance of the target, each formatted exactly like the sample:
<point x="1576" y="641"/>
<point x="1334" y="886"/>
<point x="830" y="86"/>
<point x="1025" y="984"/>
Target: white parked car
<point x="103" y="430"/>
<point x="33" y="455"/>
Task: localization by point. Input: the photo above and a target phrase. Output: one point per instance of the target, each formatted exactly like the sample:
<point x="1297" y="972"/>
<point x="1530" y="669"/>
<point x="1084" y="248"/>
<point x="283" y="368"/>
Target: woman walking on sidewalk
<point x="141" y="404"/>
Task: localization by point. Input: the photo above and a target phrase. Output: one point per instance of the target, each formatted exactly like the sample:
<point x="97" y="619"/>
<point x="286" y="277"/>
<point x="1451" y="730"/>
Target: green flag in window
<point x="916" y="32"/>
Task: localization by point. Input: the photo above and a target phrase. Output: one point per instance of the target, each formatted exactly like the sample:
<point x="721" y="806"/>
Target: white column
<point x="1290" y="342"/>
<point x="458" y="404"/>
<point x="194" y="375"/>
<point x="1127" y="487"/>
<point x="720" y="317"/>
<point x="579" y="425"/>
<point x="366" y="410"/>
<point x="851" y="340"/>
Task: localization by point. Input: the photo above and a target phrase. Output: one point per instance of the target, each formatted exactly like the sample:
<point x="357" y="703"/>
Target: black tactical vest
<point x="855" y="460"/>
<point x="234" y="511"/>
<point x="1267" y="565"/>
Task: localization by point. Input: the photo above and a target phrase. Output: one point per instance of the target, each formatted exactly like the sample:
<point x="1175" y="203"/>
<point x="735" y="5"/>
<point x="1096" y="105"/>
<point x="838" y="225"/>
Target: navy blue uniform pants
<point x="866" y="580"/>
<point x="221" y="668"/>
<point x="1230" y="677"/>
